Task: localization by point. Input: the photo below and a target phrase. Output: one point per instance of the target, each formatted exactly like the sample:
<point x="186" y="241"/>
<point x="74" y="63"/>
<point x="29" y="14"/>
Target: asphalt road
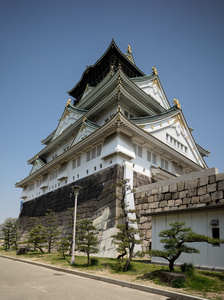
<point x="21" y="281"/>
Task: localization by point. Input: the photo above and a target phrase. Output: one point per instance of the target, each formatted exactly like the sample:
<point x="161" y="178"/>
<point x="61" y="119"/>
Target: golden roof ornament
<point x="129" y="49"/>
<point x="68" y="102"/>
<point x="177" y="103"/>
<point x="154" y="70"/>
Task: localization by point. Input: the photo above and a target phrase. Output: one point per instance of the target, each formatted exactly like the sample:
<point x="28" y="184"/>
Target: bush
<point x="94" y="262"/>
<point x="178" y="282"/>
<point x="187" y="268"/>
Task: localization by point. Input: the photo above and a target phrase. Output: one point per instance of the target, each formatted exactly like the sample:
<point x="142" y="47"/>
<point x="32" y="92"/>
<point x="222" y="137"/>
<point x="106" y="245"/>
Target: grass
<point x="200" y="283"/>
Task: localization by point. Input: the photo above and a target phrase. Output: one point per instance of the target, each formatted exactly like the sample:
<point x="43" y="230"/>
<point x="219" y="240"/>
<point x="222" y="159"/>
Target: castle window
<point x="96" y="151"/>
<point x="164" y="164"/>
<point x="76" y="162"/>
<point x="53" y="174"/>
<point x="176" y="143"/>
<point x="138" y="150"/>
<point x="154" y="158"/>
<point x="31" y="187"/>
<point x="149" y="156"/>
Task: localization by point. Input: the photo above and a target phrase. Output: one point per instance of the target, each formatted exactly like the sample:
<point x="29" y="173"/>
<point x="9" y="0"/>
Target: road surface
<point x="22" y="281"/>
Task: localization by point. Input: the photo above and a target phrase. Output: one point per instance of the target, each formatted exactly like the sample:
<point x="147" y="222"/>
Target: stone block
<point x="175" y="195"/>
<point x="182" y="194"/>
<point x="173" y="187"/>
<point x="158" y="197"/>
<point x="163" y="203"/>
<point x="182" y="206"/>
<point x="150" y="199"/>
<point x="180" y="186"/>
<point x="200" y="204"/>
<point x="154" y="191"/>
<point x="186" y="200"/>
<point x="202" y="190"/>
<point x="205" y="198"/>
<point x="170" y="202"/>
<point x="220" y="185"/>
<point x="153" y="205"/>
<point x="165" y="189"/>
<point x="203" y="181"/>
<point x="145" y="205"/>
<point x="195" y="199"/>
<point x="143" y="220"/>
<point x="167" y="196"/>
<point x="217" y="195"/>
<point x="192" y="192"/>
<point x="211" y="187"/>
<point x="178" y="202"/>
<point x="220" y="177"/>
<point x="191" y="184"/>
<point x="212" y="179"/>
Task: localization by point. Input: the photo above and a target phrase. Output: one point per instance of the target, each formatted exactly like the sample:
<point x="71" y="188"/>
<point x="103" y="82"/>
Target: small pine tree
<point x="86" y="238"/>
<point x="175" y="240"/>
<point x="51" y="229"/>
<point x="63" y="246"/>
<point x="127" y="235"/>
<point x="10" y="233"/>
<point x="37" y="235"/>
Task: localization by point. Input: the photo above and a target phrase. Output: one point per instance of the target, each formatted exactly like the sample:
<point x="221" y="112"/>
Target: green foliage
<point x="87" y="241"/>
<point x="63" y="246"/>
<point x="94" y="262"/>
<point x="127" y="235"/>
<point x="51" y="229"/>
<point x="10" y="233"/>
<point x="187" y="268"/>
<point x="37" y="235"/>
<point x="178" y="282"/>
<point x="175" y="240"/>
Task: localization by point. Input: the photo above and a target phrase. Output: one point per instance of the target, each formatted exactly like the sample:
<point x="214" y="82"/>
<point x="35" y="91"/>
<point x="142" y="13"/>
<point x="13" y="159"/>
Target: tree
<point x="63" y="246"/>
<point x="51" y="229"/>
<point x="10" y="234"/>
<point x="86" y="238"/>
<point x="128" y="234"/>
<point x="37" y="235"/>
<point x="175" y="240"/>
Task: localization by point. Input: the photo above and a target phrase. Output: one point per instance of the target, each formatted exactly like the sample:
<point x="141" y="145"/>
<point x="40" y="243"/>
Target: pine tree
<point x="86" y="238"/>
<point x="175" y="240"/>
<point x="128" y="234"/>
<point x="10" y="234"/>
<point x="37" y="235"/>
<point x="51" y="229"/>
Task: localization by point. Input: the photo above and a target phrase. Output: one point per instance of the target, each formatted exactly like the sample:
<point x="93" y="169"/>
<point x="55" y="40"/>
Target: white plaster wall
<point x="210" y="256"/>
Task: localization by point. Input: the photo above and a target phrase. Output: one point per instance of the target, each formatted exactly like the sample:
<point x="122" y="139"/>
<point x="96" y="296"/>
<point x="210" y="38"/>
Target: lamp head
<point x="75" y="189"/>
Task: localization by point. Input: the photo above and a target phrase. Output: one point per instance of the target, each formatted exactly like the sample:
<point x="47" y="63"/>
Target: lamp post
<point x="75" y="190"/>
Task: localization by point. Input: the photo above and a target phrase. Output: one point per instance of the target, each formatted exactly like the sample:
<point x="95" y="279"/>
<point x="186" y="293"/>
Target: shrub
<point x="178" y="282"/>
<point x="94" y="262"/>
<point x="187" y="268"/>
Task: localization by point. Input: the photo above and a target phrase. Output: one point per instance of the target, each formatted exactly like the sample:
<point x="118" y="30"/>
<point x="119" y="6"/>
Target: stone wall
<point x="199" y="190"/>
<point x="96" y="201"/>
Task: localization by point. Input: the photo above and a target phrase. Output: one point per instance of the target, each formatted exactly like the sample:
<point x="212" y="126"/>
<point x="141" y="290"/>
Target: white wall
<point x="210" y="256"/>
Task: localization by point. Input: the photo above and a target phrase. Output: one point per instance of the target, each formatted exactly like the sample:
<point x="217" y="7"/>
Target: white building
<point x="116" y="115"/>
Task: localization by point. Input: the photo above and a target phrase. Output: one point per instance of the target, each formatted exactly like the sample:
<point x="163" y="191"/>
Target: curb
<point x="144" y="288"/>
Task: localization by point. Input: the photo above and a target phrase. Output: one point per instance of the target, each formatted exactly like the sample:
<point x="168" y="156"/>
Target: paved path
<point x="21" y="281"/>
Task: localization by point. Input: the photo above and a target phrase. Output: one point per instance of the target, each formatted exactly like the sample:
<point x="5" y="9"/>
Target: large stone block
<point x="173" y="187"/>
<point x="202" y="190"/>
<point x="211" y="187"/>
<point x="221" y="185"/>
<point x="191" y="184"/>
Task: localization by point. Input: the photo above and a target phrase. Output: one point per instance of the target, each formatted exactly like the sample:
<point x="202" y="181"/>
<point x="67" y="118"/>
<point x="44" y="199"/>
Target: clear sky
<point x="45" y="46"/>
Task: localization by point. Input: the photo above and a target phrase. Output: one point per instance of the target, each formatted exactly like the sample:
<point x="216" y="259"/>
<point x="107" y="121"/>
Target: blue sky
<point x="46" y="45"/>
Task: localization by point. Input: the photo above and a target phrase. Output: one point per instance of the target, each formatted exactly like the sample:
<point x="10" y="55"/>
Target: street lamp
<point x="75" y="190"/>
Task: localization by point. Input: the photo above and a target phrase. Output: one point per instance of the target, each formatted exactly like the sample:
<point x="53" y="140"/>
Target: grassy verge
<point x="199" y="283"/>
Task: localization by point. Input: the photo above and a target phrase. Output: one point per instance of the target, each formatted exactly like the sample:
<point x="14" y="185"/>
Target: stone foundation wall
<point x="96" y="201"/>
<point x="199" y="190"/>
